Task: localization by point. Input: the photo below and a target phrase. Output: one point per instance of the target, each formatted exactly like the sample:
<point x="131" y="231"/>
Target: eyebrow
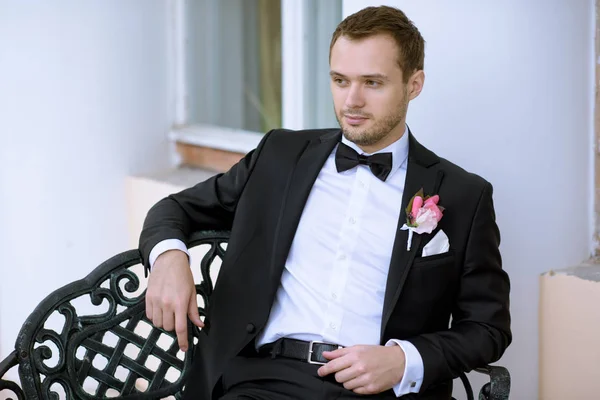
<point x="368" y="76"/>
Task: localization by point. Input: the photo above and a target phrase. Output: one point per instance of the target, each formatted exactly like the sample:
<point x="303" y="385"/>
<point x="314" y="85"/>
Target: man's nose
<point x="355" y="98"/>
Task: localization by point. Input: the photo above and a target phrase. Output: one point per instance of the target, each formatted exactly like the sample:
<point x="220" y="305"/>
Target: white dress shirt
<point x="333" y="284"/>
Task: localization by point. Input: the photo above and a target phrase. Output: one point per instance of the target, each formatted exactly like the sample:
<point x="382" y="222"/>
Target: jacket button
<point x="250" y="328"/>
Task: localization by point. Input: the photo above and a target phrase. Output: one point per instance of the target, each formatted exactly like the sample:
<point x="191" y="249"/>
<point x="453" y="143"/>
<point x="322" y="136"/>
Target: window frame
<point x="298" y="103"/>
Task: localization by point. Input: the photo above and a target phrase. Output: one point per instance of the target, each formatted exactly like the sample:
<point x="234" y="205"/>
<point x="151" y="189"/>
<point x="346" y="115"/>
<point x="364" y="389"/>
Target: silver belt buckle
<point x="310" y="352"/>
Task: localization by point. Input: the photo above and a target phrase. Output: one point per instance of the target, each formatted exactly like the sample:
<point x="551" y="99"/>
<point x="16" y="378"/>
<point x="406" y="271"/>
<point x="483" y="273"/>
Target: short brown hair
<point x="386" y="20"/>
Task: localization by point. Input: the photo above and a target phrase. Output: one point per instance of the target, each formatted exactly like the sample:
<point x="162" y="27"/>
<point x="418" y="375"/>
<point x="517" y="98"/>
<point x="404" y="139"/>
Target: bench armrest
<point x="498" y="388"/>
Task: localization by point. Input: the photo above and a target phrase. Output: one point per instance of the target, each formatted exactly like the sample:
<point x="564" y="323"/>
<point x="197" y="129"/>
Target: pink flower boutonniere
<point x="422" y="215"/>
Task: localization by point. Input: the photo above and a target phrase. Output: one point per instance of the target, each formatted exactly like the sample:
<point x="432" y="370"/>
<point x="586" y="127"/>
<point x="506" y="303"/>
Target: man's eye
<point x="372" y="83"/>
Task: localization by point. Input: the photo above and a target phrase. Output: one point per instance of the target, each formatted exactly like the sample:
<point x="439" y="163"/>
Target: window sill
<point x="217" y="137"/>
<point x="212" y="147"/>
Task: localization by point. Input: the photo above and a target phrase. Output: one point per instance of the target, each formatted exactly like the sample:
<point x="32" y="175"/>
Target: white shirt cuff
<point x="413" y="368"/>
<point x="164" y="246"/>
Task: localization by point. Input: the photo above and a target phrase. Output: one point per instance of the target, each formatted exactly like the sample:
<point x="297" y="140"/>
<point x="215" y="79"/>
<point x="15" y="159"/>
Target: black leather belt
<point x="310" y="352"/>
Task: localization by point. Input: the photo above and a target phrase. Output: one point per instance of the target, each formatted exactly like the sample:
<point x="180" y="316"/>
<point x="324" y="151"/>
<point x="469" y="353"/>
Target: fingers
<point x="193" y="311"/>
<point x="148" y="308"/>
<point x="181" y="330"/>
<point x="348" y="374"/>
<point x="157" y="317"/>
<point x="352" y="375"/>
<point x="168" y="320"/>
<point x="334" y="366"/>
<point x="357" y="383"/>
<point x="368" y="388"/>
<point x="330" y="355"/>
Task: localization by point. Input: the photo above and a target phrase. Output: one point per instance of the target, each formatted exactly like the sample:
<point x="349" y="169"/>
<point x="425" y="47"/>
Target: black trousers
<point x="264" y="378"/>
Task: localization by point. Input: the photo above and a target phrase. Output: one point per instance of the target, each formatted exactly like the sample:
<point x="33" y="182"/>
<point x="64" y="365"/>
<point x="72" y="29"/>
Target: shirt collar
<point x="399" y="150"/>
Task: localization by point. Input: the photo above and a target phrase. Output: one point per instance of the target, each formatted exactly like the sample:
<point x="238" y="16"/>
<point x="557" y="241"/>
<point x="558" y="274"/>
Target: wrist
<point x="171" y="258"/>
<point x="397" y="349"/>
<point x="400" y="358"/>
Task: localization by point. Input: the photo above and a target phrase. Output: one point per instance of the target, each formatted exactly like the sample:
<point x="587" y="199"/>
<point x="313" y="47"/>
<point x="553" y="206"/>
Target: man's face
<point x="369" y="93"/>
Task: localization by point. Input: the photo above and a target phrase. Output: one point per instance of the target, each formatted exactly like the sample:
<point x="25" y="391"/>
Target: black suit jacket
<point x="261" y="199"/>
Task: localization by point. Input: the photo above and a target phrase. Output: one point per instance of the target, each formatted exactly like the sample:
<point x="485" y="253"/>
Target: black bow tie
<point x="347" y="158"/>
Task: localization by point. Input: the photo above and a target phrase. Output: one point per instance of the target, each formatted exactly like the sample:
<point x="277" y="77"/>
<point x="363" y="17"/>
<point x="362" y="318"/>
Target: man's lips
<point x="354" y="119"/>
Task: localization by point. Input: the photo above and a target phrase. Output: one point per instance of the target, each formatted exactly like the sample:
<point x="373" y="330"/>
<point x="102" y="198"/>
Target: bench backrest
<point x="68" y="349"/>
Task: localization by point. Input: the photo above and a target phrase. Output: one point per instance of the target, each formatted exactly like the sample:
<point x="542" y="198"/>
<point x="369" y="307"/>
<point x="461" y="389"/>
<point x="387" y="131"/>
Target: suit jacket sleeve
<point x="480" y="331"/>
<point x="207" y="205"/>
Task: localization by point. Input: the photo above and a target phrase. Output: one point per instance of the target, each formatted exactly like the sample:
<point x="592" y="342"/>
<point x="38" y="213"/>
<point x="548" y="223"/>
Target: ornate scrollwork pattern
<point x="112" y="353"/>
<point x="6" y="386"/>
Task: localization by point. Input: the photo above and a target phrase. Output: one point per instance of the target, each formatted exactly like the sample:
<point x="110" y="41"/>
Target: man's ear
<point x="415" y="84"/>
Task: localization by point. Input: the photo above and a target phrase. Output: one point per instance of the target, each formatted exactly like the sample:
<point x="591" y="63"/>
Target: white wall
<point x="508" y="95"/>
<point x="83" y="103"/>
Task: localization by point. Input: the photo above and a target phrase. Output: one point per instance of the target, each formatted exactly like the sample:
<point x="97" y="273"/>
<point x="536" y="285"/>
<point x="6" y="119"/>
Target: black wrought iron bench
<point x="64" y="353"/>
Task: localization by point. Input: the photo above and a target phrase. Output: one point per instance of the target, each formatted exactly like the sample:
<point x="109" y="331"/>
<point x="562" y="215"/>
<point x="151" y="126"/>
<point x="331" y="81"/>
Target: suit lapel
<point x="302" y="178"/>
<point x="420" y="173"/>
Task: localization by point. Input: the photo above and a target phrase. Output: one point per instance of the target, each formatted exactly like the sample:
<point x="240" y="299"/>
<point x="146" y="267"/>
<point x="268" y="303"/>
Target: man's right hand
<point x="171" y="295"/>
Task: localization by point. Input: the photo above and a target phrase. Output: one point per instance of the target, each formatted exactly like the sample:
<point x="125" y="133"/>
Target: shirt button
<point x="342" y="257"/>
<point x="333" y="296"/>
<point x="352" y="220"/>
<point x="332" y="326"/>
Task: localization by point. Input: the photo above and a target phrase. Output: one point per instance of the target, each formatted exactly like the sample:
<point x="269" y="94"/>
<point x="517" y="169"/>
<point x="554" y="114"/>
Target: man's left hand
<point x="365" y="369"/>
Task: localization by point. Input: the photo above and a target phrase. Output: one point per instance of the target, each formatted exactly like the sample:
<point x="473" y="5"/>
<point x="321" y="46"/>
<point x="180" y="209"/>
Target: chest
<point x="350" y="217"/>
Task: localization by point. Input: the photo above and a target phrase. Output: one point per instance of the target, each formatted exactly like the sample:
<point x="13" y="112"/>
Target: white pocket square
<point x="437" y="245"/>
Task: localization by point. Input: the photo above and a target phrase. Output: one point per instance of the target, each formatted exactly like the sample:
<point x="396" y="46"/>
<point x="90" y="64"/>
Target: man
<point x="329" y="243"/>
